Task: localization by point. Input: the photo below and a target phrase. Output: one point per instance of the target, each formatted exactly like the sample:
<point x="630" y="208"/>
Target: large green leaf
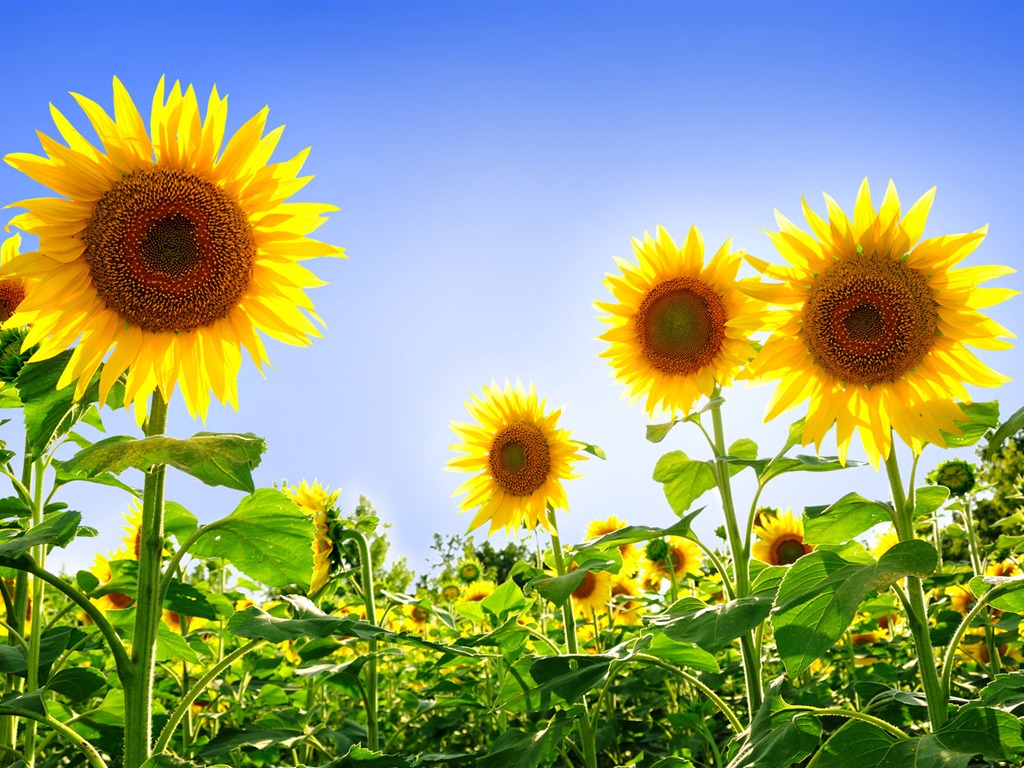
<point x="230" y="739"/>
<point x="570" y="676"/>
<point x="1011" y="426"/>
<point x="57" y="530"/>
<point x="713" y="627"/>
<point x="215" y="459"/>
<point x="682" y="654"/>
<point x="78" y="683"/>
<point x="505" y="600"/>
<point x="840" y="522"/>
<point x="268" y="538"/>
<point x="50" y="413"/>
<point x="779" y="734"/>
<point x="979" y="419"/>
<point x="685" y="480"/>
<point x="819" y="597"/>
<point x="558" y="588"/>
<point x="516" y="749"/>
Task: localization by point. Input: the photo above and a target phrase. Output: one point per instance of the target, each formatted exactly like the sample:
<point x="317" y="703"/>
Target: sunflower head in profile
<point x="321" y="505"/>
<point x="677" y="327"/>
<point x="956" y="475"/>
<point x="629" y="552"/>
<point x="874" y="325"/>
<point x="519" y="458"/>
<point x="167" y="249"/>
<point x="780" y="539"/>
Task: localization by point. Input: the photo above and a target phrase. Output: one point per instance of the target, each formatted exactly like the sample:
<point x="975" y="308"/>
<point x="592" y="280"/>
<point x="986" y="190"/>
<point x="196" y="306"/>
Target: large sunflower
<point x="678" y="326"/>
<point x="519" y="455"/>
<point x="780" y="540"/>
<point x="874" y="325"/>
<point x="169" y="247"/>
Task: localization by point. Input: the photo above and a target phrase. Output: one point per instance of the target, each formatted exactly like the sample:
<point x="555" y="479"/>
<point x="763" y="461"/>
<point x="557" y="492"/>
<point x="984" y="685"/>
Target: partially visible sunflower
<point x="675" y="557"/>
<point x="469" y="570"/>
<point x="519" y="456"/>
<point x="780" y="540"/>
<point x="168" y="248"/>
<point x="956" y="475"/>
<point x="874" y="325"/>
<point x="885" y="541"/>
<point x="623" y="609"/>
<point x="593" y="593"/>
<point x="961" y="598"/>
<point x="1004" y="569"/>
<point x="477" y="591"/>
<point x="630" y="553"/>
<point x="318" y="504"/>
<point x="12" y="289"/>
<point x="416" y="617"/>
<point x="678" y="326"/>
<point x="450" y="591"/>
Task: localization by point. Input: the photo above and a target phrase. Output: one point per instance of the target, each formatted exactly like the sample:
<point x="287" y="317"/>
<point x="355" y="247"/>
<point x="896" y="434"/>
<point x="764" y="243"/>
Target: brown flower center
<point x="12" y="293"/>
<point x="869" y="319"/>
<point x="788" y="550"/>
<point x="680" y="325"/>
<point x="586" y="587"/>
<point x="169" y="251"/>
<point x="520" y="459"/>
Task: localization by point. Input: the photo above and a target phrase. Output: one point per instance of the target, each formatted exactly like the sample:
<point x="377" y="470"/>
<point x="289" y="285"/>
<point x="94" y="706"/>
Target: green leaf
<point x="230" y="739"/>
<point x="1011" y="426"/>
<point x="819" y="597"/>
<point x="51" y="646"/>
<point x="768" y="579"/>
<point x="682" y="654"/>
<point x="634" y="533"/>
<point x="685" y="480"/>
<point x="179" y="522"/>
<point x="504" y="600"/>
<point x="658" y="432"/>
<point x="590" y="448"/>
<point x="716" y="626"/>
<point x="1007" y="690"/>
<point x="50" y="413"/>
<point x="569" y="676"/>
<point x="170" y="761"/>
<point x="359" y="757"/>
<point x="516" y="749"/>
<point x="187" y="600"/>
<point x="840" y="522"/>
<point x="78" y="683"/>
<point x="929" y="498"/>
<point x="979" y="419"/>
<point x="557" y="589"/>
<point x="32" y="702"/>
<point x="57" y="530"/>
<point x="215" y="459"/>
<point x="268" y="538"/>
<point x="779" y="735"/>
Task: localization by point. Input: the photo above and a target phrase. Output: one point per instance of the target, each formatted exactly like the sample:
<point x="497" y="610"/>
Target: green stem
<point x="366" y="566"/>
<point x="91" y="755"/>
<point x="586" y="730"/>
<point x="855" y="715"/>
<point x="200" y="686"/>
<point x="38" y="595"/>
<point x="740" y="557"/>
<point x="954" y="643"/>
<point x="917" y="611"/>
<point x="717" y="700"/>
<point x="138" y="688"/>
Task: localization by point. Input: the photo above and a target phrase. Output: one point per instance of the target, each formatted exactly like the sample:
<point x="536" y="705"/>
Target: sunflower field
<point x="859" y="633"/>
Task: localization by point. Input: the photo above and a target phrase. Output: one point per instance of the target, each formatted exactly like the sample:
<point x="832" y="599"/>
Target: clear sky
<point x="490" y="159"/>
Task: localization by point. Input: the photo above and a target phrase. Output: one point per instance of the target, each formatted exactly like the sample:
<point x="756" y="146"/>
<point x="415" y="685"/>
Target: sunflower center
<point x="12" y="293"/>
<point x="680" y="325"/>
<point x="520" y="459"/>
<point x="169" y="251"/>
<point x="586" y="587"/>
<point x="788" y="551"/>
<point x="870" y="319"/>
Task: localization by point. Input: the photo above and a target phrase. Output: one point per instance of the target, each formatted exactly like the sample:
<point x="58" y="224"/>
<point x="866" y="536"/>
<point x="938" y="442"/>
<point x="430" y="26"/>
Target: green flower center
<point x="680" y="325"/>
<point x="520" y="459"/>
<point x="788" y="551"/>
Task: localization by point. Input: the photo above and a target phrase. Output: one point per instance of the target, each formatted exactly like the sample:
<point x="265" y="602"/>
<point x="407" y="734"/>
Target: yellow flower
<point x="622" y="608"/>
<point x="416" y="617"/>
<point x="593" y="593"/>
<point x="630" y="552"/>
<point x="780" y="540"/>
<point x="961" y="598"/>
<point x="167" y="249"/>
<point x="477" y="591"/>
<point x="318" y="504"/>
<point x="12" y="289"/>
<point x="1006" y="569"/>
<point x="679" y="557"/>
<point x="678" y="326"/>
<point x="885" y="541"/>
<point x="874" y="326"/>
<point x="520" y="458"/>
<point x="469" y="570"/>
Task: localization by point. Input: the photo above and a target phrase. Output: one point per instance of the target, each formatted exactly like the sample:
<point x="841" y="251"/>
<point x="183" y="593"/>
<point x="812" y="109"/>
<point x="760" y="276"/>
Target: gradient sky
<point x="490" y="159"/>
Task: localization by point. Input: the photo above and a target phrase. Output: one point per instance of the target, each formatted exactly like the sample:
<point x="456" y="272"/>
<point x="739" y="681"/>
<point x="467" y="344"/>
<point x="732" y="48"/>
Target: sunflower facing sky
<point x="678" y="326"/>
<point x="167" y="249"/>
<point x="519" y="456"/>
<point x="875" y="324"/>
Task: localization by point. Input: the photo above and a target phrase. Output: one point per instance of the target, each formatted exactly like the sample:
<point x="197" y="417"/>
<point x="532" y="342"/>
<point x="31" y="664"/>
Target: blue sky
<point x="490" y="159"/>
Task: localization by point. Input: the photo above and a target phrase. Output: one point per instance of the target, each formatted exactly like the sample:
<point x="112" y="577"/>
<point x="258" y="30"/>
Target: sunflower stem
<point x="138" y="689"/>
<point x="572" y="645"/>
<point x="366" y="569"/>
<point x="917" y="610"/>
<point x="740" y="555"/>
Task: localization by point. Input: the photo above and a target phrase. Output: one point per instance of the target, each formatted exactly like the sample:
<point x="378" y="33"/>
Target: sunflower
<point x="623" y="609"/>
<point x="593" y="593"/>
<point x="780" y="540"/>
<point x="477" y="591"/>
<point x="450" y="591"/>
<point x="675" y="557"/>
<point x="1004" y="569"/>
<point x="169" y="247"/>
<point x="520" y="458"/>
<point x="630" y="552"/>
<point x="885" y="541"/>
<point x="961" y="598"/>
<point x="318" y="504"/>
<point x="956" y="475"/>
<point x="12" y="289"/>
<point x="678" y="326"/>
<point x="469" y="570"/>
<point x="416" y="617"/>
<point x="874" y="326"/>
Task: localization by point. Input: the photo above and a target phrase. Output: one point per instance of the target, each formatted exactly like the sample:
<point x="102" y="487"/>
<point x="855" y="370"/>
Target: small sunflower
<point x="678" y="326"/>
<point x="630" y="552"/>
<point x="623" y="609"/>
<point x="469" y="570"/>
<point x="520" y="458"/>
<point x="167" y="249"/>
<point x="780" y="540"/>
<point x="416" y="617"/>
<point x="955" y="474"/>
<point x="450" y="591"/>
<point x="874" y="326"/>
<point x="675" y="556"/>
<point x="12" y="289"/>
<point x="1005" y="568"/>
<point x="318" y="504"/>
<point x="593" y="593"/>
<point x="477" y="591"/>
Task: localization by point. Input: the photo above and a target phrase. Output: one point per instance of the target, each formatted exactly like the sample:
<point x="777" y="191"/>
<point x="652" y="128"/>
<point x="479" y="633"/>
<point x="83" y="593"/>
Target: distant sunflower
<point x="630" y="553"/>
<point x="1004" y="568"/>
<point x="318" y="504"/>
<point x="167" y="249"/>
<point x="780" y="540"/>
<point x="874" y="325"/>
<point x="672" y="557"/>
<point x="477" y="591"/>
<point x="416" y="617"/>
<point x="520" y="458"/>
<point x="12" y="289"/>
<point x="885" y="541"/>
<point x="678" y="326"/>
<point x="593" y="593"/>
<point x="956" y="475"/>
<point x="623" y="608"/>
<point x="469" y="570"/>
